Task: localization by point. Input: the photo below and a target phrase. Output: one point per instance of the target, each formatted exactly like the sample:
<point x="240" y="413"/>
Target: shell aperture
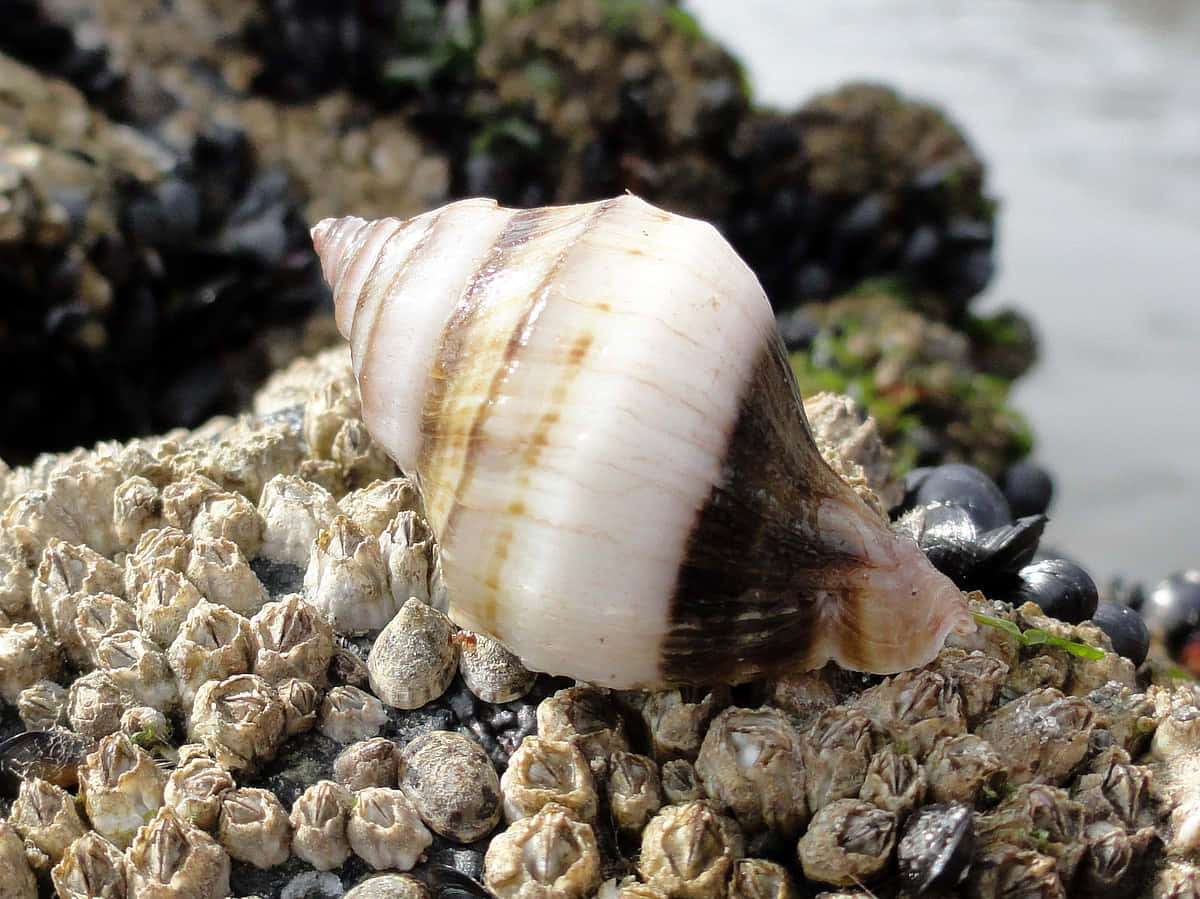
<point x="597" y="407"/>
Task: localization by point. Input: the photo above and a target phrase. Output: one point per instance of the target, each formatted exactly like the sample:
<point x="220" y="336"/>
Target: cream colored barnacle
<point x="598" y="410"/>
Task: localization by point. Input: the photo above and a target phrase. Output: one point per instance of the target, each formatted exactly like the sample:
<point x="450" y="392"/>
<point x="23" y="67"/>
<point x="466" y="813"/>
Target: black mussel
<point x="1028" y="489"/>
<point x="936" y="849"/>
<point x="1008" y="548"/>
<point x="448" y="882"/>
<point x="1173" y="610"/>
<point x="52" y="755"/>
<point x="1125" y="628"/>
<point x="948" y="536"/>
<point x="1061" y="588"/>
<point x="964" y="485"/>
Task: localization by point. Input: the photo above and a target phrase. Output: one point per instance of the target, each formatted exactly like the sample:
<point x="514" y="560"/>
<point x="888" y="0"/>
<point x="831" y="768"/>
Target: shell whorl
<point x="596" y="405"/>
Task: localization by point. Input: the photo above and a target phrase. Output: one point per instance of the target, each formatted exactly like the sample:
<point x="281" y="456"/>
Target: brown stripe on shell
<point x="456" y="348"/>
<point x="758" y="574"/>
<point x="395" y="278"/>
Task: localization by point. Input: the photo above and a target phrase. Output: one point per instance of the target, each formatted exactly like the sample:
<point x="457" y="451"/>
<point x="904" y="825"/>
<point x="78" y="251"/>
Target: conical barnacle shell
<point x="597" y="407"/>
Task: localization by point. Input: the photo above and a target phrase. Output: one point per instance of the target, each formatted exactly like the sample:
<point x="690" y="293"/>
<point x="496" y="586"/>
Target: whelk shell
<point x="599" y="412"/>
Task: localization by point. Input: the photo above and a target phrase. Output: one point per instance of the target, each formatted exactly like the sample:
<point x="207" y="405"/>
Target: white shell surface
<point x="590" y="367"/>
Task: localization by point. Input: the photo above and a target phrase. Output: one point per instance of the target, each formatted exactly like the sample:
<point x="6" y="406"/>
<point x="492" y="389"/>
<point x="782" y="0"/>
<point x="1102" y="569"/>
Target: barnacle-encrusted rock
<point x="1006" y="869"/>
<point x="677" y="726"/>
<point x="221" y="573"/>
<point x="362" y="460"/>
<point x="751" y="762"/>
<point x="407" y="548"/>
<point x="846" y="433"/>
<point x="634" y="791"/>
<point x="183" y="499"/>
<point x="588" y="717"/>
<point x="385" y="831"/>
<point x="1115" y="857"/>
<point x="381" y="503"/>
<point x="16" y="577"/>
<point x="1124" y="713"/>
<point x="170" y="858"/>
<point x="318" y="821"/>
<point x="551" y="854"/>
<point x="95" y="704"/>
<point x="757" y="878"/>
<point x="544" y="771"/>
<point x="895" y="782"/>
<point x="120" y="786"/>
<point x="160" y="549"/>
<point x="1043" y="735"/>
<point x="213" y="642"/>
<point x="389" y="886"/>
<point x="1038" y="817"/>
<point x="414" y="657"/>
<point x="91" y="868"/>
<point x="45" y="816"/>
<point x="137" y="508"/>
<point x="100" y="615"/>
<point x="239" y="720"/>
<point x="962" y="768"/>
<point x="368" y="763"/>
<point x="43" y="705"/>
<point x="688" y="850"/>
<point x="294" y="512"/>
<point x="452" y="784"/>
<point x="836" y="751"/>
<point x="291" y="640"/>
<point x="1119" y="791"/>
<point x="680" y="782"/>
<point x="253" y="827"/>
<point x="489" y="670"/>
<point x="976" y="675"/>
<point x="146" y="726"/>
<point x="915" y="708"/>
<point x="138" y="668"/>
<point x="847" y="842"/>
<point x="301" y="701"/>
<point x="230" y="517"/>
<point x="163" y="604"/>
<point x="349" y="714"/>
<point x="16" y="876"/>
<point x="27" y="655"/>
<point x="346" y="579"/>
<point x="75" y="507"/>
<point x="195" y="788"/>
<point x="67" y="570"/>
<point x="803" y="695"/>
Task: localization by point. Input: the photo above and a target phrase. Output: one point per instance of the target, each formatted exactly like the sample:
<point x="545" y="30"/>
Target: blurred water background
<point x="1088" y="115"/>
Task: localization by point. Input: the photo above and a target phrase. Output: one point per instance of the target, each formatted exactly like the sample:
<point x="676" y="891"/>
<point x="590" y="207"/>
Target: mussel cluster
<point x="966" y="525"/>
<point x="195" y="252"/>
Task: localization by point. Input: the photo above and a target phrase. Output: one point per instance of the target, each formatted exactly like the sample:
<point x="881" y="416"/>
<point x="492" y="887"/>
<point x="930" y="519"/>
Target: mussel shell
<point x="52" y="755"/>
<point x="1173" y="609"/>
<point x="1125" y="628"/>
<point x="1028" y="488"/>
<point x="950" y="539"/>
<point x="961" y="485"/>
<point x="937" y="846"/>
<point x="1061" y="588"/>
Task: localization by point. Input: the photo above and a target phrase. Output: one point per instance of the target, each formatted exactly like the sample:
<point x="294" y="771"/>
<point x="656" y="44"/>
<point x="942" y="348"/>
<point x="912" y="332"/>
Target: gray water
<point x="1088" y="115"/>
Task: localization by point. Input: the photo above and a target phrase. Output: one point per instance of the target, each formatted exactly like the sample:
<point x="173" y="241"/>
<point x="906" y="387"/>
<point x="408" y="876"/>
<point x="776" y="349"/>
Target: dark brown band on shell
<point x="754" y="576"/>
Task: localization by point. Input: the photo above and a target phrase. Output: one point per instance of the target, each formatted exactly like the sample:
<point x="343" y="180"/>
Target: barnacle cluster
<point x="223" y="648"/>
